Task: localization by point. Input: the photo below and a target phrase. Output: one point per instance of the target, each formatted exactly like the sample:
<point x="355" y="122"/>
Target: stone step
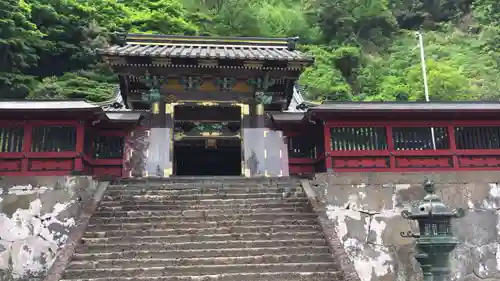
<point x="197" y="224"/>
<point x="157" y="262"/>
<point x="113" y="196"/>
<point x="197" y="213"/>
<point x="233" y="217"/>
<point x="150" y="271"/>
<point x="204" y="253"/>
<point x="200" y="190"/>
<point x="267" y="276"/>
<point x="197" y="185"/>
<point x="159" y="206"/>
<point x="206" y="202"/>
<point x="205" y="237"/>
<point x="99" y="248"/>
<point x="208" y="180"/>
<point x="203" y="231"/>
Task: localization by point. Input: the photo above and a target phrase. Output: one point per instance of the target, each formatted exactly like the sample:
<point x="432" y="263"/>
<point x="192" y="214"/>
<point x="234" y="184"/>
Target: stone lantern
<point x="435" y="239"/>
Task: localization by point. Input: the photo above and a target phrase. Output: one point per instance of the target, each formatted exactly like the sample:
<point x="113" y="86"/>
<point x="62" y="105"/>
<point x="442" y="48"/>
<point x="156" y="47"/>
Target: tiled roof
<point x="47" y="105"/>
<point x="249" y="48"/>
<point x="414" y="106"/>
<point x="110" y="112"/>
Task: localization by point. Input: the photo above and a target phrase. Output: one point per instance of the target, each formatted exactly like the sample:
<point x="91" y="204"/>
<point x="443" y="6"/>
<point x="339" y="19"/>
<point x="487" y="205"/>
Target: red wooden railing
<point x="66" y="147"/>
<point x="403" y="146"/>
<point x="55" y="148"/>
<point x="104" y="152"/>
<point x="304" y="154"/>
<point x="40" y="147"/>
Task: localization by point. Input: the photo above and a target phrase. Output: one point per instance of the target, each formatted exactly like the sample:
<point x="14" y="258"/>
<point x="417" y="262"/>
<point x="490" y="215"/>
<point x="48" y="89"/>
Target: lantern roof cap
<point x="431" y="206"/>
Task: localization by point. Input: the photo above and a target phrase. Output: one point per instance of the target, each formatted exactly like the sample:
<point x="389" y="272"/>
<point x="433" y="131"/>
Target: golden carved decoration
<point x="210" y="134"/>
<point x="208" y="103"/>
<point x="171" y="98"/>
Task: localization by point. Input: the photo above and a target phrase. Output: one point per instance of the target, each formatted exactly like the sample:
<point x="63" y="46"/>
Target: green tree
<point x="352" y="20"/>
<point x="18" y="40"/>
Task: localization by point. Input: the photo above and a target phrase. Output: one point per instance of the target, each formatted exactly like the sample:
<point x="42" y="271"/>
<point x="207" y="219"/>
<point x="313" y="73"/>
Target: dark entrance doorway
<point x="207" y="157"/>
<point x="206" y="140"/>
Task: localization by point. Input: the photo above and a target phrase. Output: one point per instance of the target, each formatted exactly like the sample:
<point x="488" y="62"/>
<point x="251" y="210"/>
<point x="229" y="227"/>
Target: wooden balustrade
<point x="104" y="152"/>
<point x="53" y="148"/>
<point x="415" y="146"/>
<point x="66" y="147"/>
<point x="302" y="153"/>
<point x="41" y="148"/>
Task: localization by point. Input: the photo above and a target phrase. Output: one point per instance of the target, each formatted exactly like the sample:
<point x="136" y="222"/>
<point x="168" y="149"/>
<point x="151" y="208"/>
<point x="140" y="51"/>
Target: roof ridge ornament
<point x="292" y="43"/>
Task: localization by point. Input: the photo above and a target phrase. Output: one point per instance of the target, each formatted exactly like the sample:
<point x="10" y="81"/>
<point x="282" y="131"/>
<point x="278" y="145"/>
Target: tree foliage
<point x="364" y="49"/>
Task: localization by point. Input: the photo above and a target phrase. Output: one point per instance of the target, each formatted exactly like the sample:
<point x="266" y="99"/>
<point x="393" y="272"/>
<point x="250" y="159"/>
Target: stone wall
<point x="37" y="214"/>
<point x="365" y="209"/>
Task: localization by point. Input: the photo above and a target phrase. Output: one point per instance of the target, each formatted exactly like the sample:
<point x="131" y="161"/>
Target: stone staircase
<point x="231" y="229"/>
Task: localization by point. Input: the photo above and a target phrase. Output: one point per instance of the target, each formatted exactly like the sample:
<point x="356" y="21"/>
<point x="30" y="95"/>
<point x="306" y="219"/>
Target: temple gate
<point x="207" y="97"/>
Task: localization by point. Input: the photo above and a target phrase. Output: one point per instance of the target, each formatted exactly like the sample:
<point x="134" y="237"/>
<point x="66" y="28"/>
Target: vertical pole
<point x="328" y="148"/>
<point x="245" y="123"/>
<point x="27" y="140"/>
<point x="169" y="125"/>
<point x="390" y="147"/>
<point x="453" y="146"/>
<point x="424" y="76"/>
<point x="126" y="157"/>
<point x="80" y="137"/>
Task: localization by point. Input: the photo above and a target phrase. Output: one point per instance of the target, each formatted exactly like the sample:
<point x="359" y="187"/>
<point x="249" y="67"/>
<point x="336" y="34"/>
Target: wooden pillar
<point x="246" y="116"/>
<point x="158" y="119"/>
<point x="168" y="118"/>
<point x="245" y="123"/>
<point x="328" y="147"/>
<point x="80" y="140"/>
<point x="453" y="146"/>
<point x="92" y="135"/>
<point x="28" y="138"/>
<point x="259" y="117"/>
<point x="390" y="147"/>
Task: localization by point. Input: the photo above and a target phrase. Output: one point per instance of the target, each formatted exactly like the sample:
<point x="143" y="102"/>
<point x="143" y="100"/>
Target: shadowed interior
<point x="194" y="157"/>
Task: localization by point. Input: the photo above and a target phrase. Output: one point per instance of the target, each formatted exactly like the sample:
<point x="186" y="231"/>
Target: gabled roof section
<point x="115" y="103"/>
<point x="127" y="116"/>
<point x="203" y="47"/>
<point x="115" y="109"/>
<point x="288" y="116"/>
<point x="297" y="99"/>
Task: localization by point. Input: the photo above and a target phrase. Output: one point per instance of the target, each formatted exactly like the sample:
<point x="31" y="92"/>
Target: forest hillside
<point x="365" y="49"/>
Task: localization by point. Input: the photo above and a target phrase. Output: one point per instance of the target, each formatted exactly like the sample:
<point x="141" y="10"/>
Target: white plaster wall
<point x="366" y="208"/>
<point x="36" y="216"/>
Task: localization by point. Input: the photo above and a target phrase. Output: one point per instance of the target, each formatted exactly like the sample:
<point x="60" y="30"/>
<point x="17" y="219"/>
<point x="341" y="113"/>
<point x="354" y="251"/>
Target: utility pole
<point x="424" y="76"/>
